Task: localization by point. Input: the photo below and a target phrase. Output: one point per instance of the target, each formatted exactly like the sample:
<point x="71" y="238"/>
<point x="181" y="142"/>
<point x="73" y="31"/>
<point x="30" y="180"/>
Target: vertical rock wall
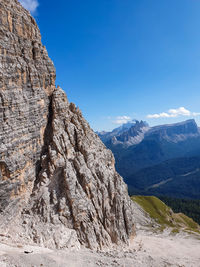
<point x="58" y="184"/>
<point x="27" y="78"/>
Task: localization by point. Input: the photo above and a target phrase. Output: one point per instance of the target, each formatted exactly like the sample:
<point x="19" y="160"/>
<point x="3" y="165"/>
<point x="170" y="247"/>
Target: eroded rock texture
<point x="27" y="78"/>
<point x="58" y="184"/>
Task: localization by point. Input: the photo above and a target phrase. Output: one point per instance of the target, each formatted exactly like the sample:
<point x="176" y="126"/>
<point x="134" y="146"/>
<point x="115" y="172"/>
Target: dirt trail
<point x="146" y="251"/>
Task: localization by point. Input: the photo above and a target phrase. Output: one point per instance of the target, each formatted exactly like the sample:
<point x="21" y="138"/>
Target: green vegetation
<point x="164" y="216"/>
<point x="189" y="207"/>
<point x="175" y="231"/>
<point x="159" y="165"/>
<point x="155" y="208"/>
<point x="178" y="177"/>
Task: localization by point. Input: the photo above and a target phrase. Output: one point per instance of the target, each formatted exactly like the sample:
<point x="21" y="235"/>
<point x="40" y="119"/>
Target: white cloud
<point x="121" y="119"/>
<point x="180" y="111"/>
<point x="172" y="113"/>
<point x="31" y="5"/>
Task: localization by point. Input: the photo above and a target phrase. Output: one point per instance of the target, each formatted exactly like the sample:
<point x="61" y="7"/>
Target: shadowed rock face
<point x="58" y="184"/>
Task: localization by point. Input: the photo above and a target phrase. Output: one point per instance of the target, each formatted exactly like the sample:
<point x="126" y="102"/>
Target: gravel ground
<point x="147" y="250"/>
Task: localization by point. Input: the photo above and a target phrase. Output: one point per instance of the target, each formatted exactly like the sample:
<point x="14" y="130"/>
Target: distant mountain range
<point x="156" y="160"/>
<point x="128" y="134"/>
<point x="134" y="132"/>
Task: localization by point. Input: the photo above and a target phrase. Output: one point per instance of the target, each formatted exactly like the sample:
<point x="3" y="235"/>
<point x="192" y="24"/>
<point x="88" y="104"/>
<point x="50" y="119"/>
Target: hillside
<point x="62" y="202"/>
<point x="190" y="207"/>
<point x="165" y="217"/>
<point x="165" y="161"/>
<point x="168" y="240"/>
<point x="176" y="178"/>
<point x="158" y="144"/>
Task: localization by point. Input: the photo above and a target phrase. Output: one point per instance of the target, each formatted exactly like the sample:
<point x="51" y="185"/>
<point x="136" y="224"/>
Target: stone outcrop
<point x="58" y="184"/>
<point x="27" y="78"/>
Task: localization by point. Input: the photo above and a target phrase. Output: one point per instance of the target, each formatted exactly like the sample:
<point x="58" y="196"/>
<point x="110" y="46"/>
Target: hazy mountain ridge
<point x="140" y="130"/>
<point x="58" y="185"/>
<point x="145" y="164"/>
<point x="176" y="132"/>
<point x="130" y="133"/>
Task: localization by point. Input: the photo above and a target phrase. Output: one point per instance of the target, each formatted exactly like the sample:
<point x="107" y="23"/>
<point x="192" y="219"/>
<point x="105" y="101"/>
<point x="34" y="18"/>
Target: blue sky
<point x="125" y="59"/>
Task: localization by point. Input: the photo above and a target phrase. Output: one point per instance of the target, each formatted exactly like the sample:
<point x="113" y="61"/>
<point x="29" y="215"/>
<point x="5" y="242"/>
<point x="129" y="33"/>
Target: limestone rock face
<point x="58" y="184"/>
<point x="27" y="78"/>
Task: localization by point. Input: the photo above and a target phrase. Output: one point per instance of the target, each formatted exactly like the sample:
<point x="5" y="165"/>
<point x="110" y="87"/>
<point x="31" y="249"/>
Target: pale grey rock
<point x="27" y="78"/>
<point x="78" y="185"/>
<point x="58" y="184"/>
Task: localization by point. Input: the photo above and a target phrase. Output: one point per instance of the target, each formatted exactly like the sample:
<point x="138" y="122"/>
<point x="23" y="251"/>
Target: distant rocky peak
<point x="187" y="125"/>
<point x="175" y="132"/>
<point x="133" y="123"/>
<point x="127" y="134"/>
<point x="140" y="124"/>
<point x="133" y="135"/>
<point x="134" y="132"/>
<point x="124" y="127"/>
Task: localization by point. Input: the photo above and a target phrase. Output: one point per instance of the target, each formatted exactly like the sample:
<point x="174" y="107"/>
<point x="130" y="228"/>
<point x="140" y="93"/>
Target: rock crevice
<point x="58" y="184"/>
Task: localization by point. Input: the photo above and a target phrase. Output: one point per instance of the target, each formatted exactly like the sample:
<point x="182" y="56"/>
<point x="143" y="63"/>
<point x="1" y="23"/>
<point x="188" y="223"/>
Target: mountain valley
<point x="63" y="201"/>
<point x="165" y="160"/>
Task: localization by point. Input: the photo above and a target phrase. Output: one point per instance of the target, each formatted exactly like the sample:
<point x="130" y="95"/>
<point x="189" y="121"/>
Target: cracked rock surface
<point x="58" y="184"/>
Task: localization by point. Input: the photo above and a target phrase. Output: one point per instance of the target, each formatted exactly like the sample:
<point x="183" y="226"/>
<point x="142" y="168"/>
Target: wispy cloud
<point x="31" y="5"/>
<point x="121" y="119"/>
<point x="173" y="113"/>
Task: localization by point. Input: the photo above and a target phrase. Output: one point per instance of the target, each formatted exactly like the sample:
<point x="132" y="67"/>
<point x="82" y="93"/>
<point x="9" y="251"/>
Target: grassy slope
<point x="164" y="216"/>
<point x="189" y="207"/>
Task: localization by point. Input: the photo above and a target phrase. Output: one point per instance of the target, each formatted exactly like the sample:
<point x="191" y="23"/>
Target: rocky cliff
<point x="58" y="184"/>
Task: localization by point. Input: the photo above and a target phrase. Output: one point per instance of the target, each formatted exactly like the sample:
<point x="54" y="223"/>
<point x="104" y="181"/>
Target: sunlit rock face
<point x="27" y="78"/>
<point x="58" y="184"/>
